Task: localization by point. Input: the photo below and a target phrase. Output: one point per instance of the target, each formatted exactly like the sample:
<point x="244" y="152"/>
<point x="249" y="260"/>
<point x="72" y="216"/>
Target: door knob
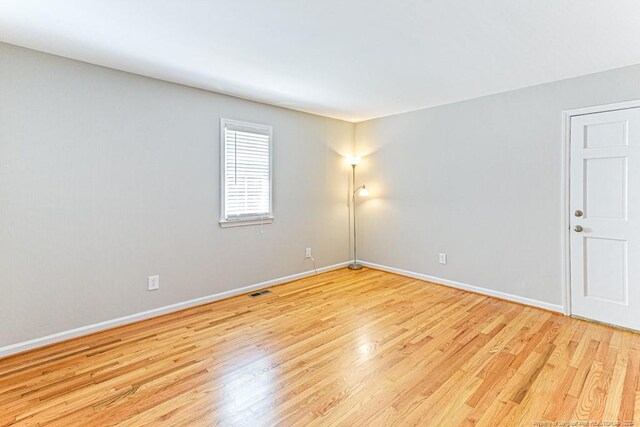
<point x="578" y="228"/>
<point x="579" y="213"/>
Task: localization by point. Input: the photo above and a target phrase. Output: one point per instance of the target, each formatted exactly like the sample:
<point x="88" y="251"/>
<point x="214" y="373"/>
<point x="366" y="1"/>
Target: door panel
<point x="606" y="269"/>
<point x="605" y="187"/>
<point x="606" y="134"/>
<point x="605" y="193"/>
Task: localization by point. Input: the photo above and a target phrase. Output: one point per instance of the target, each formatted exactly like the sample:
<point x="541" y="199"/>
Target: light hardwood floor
<point x="342" y="348"/>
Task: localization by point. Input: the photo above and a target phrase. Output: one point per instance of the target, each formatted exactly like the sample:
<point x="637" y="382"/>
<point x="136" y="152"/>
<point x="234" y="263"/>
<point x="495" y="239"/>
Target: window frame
<point x="248" y="220"/>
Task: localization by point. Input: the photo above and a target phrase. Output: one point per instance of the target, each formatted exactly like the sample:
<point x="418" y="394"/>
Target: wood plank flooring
<point x="343" y="348"/>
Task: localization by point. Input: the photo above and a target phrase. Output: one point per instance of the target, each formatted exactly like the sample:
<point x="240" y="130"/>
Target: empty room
<point x="319" y="213"/>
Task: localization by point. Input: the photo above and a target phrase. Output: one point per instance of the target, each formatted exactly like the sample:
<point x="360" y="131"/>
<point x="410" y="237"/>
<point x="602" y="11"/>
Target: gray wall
<point x="108" y="177"/>
<point x="479" y="180"/>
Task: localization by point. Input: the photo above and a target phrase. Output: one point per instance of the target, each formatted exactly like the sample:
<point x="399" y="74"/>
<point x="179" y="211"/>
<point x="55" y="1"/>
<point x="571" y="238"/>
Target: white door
<point x="605" y="217"/>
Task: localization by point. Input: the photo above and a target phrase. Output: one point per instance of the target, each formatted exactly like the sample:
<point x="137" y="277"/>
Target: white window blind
<point x="246" y="173"/>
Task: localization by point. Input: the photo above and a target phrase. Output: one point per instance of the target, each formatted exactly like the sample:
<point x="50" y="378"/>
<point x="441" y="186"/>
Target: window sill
<point x="243" y="222"/>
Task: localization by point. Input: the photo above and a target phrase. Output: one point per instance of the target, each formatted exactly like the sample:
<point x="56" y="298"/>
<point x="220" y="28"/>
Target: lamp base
<point x="354" y="266"/>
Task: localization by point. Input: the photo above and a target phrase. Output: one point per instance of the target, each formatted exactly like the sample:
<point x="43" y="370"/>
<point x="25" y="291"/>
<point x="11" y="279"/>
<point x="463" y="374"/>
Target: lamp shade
<point x="353" y="160"/>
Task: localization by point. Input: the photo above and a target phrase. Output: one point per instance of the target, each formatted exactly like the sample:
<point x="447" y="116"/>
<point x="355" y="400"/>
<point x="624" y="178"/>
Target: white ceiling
<point x="350" y="59"/>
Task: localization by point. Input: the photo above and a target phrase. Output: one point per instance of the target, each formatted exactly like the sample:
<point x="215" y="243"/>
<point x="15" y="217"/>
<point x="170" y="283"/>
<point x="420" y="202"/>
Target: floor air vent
<point x="258" y="294"/>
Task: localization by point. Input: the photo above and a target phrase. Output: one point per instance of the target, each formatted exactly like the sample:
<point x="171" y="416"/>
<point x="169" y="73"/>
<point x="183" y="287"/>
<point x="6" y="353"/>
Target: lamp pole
<point x="354" y="265"/>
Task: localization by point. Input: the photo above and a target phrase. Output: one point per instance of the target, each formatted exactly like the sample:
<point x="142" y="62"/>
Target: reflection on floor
<point x="342" y="348"/>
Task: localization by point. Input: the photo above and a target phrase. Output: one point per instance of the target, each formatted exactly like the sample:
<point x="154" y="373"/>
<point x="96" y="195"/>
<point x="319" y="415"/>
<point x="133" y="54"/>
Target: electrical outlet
<point x="307" y="253"/>
<point x="442" y="258"/>
<point x="153" y="283"/>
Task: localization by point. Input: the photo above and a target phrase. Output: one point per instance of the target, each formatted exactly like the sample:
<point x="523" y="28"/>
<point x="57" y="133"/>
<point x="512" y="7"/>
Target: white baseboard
<point x="101" y="326"/>
<point x="108" y="324"/>
<point x="471" y="288"/>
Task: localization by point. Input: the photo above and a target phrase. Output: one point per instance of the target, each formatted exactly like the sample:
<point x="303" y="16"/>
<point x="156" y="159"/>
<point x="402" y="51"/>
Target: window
<point x="245" y="173"/>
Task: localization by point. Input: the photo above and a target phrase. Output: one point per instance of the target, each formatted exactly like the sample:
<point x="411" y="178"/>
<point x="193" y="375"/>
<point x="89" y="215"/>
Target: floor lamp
<point x="361" y="190"/>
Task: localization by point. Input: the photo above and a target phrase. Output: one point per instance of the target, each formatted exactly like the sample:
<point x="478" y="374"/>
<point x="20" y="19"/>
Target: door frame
<point x="566" y="188"/>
